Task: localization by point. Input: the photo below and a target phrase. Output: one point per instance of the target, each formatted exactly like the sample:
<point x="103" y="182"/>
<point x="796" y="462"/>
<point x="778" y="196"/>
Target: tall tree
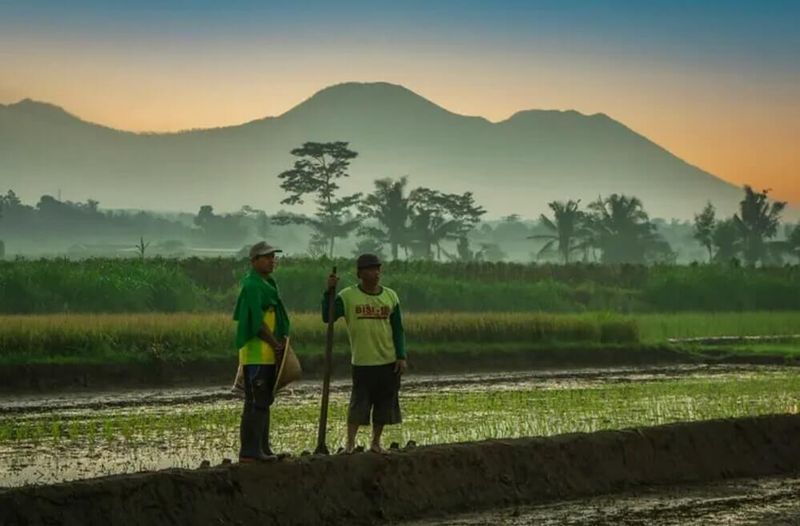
<point x="487" y="252"/>
<point x="259" y="219"/>
<point x="389" y="206"/>
<point x="429" y="224"/>
<point x="726" y="241"/>
<point x="466" y="213"/>
<point x="793" y="241"/>
<point x="704" y="224"/>
<point x="2" y="243"/>
<point x="567" y="229"/>
<point x="220" y="230"/>
<point x="757" y="222"/>
<point x="315" y="172"/>
<point x="437" y="216"/>
<point x="622" y="230"/>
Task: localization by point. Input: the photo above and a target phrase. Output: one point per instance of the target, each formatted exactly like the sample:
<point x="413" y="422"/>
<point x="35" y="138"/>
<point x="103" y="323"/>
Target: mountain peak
<point x="598" y="124"/>
<point x="41" y="110"/>
<point x="558" y="116"/>
<point x="365" y="97"/>
<point x="365" y="88"/>
<point x="30" y="105"/>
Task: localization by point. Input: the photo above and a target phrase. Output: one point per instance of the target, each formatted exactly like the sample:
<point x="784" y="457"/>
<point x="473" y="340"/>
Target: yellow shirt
<point x="256" y="351"/>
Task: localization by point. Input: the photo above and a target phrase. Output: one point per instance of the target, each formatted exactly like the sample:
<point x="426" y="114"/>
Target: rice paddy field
<point x="47" y="438"/>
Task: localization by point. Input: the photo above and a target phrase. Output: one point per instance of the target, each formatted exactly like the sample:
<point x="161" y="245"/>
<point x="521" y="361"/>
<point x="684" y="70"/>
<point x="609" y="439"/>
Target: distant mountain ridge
<point x="513" y="166"/>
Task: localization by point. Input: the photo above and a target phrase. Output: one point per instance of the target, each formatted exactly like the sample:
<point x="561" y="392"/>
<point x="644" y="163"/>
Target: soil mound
<point x="368" y="488"/>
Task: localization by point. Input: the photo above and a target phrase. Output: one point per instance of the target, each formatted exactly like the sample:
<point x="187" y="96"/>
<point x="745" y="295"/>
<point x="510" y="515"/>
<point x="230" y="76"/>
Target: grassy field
<point x="136" y="338"/>
<point x="86" y="338"/>
<point x="655" y="328"/>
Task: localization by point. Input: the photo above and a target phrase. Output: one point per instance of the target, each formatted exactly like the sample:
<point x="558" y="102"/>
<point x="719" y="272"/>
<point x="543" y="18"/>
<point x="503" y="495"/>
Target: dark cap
<point x="367" y="261"/>
<point x="262" y="249"/>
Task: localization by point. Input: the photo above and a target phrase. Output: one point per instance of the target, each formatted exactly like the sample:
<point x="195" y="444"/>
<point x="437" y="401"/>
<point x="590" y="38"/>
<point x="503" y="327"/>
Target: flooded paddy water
<point x="45" y="439"/>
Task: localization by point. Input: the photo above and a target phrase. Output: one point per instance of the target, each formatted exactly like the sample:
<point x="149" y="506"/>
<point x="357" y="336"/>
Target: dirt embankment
<point x="368" y="488"/>
<point x="766" y="501"/>
<point x="77" y="377"/>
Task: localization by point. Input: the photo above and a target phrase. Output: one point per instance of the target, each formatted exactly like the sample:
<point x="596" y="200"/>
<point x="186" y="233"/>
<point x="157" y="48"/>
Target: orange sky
<point x="740" y="126"/>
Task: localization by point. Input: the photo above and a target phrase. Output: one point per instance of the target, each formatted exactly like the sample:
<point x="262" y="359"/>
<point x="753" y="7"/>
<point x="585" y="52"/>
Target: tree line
<point x="416" y="221"/>
<point x="421" y="223"/>
<point x="749" y="234"/>
<point x="614" y="229"/>
<point x="620" y="229"/>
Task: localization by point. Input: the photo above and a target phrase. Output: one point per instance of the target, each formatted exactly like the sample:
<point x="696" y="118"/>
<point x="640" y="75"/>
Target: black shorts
<point x="375" y="390"/>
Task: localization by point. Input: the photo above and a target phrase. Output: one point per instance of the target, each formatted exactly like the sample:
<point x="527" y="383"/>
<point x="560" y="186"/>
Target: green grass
<point x="657" y="328"/>
<point x="84" y="338"/>
<point x="789" y="352"/>
<point x="207" y="285"/>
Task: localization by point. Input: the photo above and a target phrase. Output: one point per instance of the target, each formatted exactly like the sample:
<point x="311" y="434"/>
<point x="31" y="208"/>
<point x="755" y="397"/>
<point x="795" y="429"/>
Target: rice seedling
<point x="159" y="436"/>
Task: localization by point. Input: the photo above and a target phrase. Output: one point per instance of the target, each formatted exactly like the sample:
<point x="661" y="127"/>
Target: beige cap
<point x="262" y="248"/>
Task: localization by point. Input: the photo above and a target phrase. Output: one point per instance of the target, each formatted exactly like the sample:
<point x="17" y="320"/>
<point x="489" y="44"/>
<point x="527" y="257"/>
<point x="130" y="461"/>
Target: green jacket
<point x="255" y="298"/>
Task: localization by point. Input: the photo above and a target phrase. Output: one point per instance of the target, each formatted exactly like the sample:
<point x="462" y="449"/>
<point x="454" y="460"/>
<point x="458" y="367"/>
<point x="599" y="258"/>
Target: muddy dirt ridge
<point x="772" y="501"/>
<point x="368" y="488"/>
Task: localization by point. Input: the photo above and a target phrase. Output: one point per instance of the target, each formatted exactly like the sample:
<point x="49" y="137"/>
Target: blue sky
<point x="709" y="80"/>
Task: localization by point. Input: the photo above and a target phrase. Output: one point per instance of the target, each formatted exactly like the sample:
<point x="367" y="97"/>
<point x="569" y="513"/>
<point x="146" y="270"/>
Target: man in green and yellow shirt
<point x="377" y="345"/>
<point x="261" y="332"/>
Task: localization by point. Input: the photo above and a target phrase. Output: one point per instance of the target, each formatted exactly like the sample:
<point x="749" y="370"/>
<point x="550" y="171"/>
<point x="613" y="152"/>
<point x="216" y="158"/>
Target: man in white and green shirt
<point x="377" y="345"/>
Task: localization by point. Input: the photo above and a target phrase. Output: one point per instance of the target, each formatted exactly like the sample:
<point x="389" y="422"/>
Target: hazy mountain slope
<point x="515" y="166"/>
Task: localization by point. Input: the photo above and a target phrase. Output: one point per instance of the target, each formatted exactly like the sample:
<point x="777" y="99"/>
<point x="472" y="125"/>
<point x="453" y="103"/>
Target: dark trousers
<point x="259" y="381"/>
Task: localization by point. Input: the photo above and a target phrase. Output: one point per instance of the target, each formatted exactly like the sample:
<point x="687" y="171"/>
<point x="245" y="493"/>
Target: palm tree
<point x="568" y="229"/>
<point x="429" y="222"/>
<point x="622" y="230"/>
<point x="757" y="221"/>
<point x="428" y="230"/>
<point x="436" y="216"/>
<point x="389" y="206"/>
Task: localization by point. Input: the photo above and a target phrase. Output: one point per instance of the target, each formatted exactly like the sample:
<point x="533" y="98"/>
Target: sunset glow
<point x="716" y="85"/>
